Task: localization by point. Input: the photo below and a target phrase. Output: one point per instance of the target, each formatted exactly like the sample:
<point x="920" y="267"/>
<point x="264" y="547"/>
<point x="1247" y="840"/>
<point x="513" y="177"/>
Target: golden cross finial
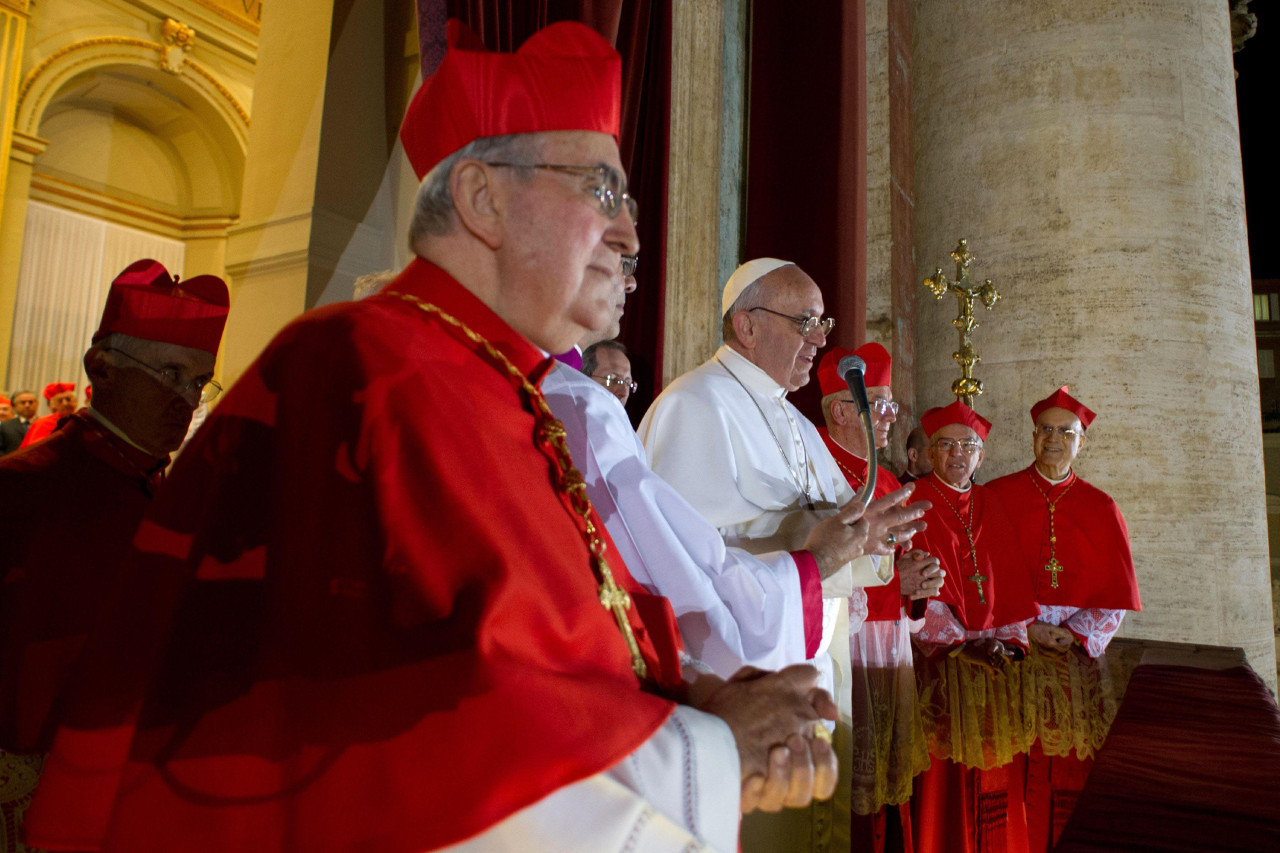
<point x="966" y="387"/>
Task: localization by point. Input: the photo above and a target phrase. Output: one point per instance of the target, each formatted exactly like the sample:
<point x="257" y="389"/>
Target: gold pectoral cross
<point x="616" y="599"/>
<point x="978" y="578"/>
<point x="1053" y="568"/>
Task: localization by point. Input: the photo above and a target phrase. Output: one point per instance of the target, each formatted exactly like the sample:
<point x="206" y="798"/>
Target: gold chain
<point x="977" y="577"/>
<point x="845" y="468"/>
<point x="569" y="481"/>
<point x="1053" y="567"/>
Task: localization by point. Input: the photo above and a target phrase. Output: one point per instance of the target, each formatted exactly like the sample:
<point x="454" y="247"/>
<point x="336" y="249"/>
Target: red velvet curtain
<point x="641" y="31"/>
<point x="807" y="154"/>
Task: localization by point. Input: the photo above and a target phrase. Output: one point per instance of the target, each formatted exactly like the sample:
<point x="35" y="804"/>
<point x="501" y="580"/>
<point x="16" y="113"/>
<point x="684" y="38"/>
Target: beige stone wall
<point x="1090" y="153"/>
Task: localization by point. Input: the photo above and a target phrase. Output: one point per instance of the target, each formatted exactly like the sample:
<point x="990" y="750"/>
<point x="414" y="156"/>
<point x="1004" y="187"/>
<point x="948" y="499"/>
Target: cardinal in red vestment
<point x="889" y="746"/>
<point x="87" y="486"/>
<point x="976" y="717"/>
<point x="1084" y="580"/>
<point x="374" y="608"/>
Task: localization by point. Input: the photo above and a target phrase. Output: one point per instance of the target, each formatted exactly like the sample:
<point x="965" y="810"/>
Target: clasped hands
<point x="1051" y="636"/>
<point x="772" y="716"/>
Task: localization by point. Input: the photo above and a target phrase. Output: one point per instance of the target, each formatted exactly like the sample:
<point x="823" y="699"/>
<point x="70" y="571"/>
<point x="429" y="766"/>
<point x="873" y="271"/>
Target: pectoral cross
<point x="978" y="578"/>
<point x="615" y="598"/>
<point x="1053" y="568"/>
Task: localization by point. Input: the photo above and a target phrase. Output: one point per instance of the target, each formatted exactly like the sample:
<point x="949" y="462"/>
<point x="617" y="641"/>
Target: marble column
<point x="1090" y="153"/>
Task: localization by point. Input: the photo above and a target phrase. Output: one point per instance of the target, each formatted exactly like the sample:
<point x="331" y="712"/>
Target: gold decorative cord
<point x="569" y="481"/>
<point x="977" y="577"/>
<point x="1053" y="567"/>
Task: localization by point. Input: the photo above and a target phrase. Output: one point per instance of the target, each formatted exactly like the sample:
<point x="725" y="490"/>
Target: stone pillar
<point x="1090" y="152"/>
<point x="694" y="185"/>
<point x="13" y="29"/>
<point x="22" y="154"/>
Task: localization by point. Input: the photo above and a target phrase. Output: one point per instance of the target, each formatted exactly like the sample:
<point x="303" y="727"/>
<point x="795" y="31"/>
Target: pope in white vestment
<point x="706" y="435"/>
<point x="726" y="438"/>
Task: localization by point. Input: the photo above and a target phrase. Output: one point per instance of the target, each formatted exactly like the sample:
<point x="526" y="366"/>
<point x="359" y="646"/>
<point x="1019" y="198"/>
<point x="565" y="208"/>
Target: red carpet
<point x="1192" y="762"/>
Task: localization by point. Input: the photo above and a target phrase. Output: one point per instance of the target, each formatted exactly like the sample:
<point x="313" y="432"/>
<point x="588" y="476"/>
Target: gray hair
<point x="433" y="208"/>
<point x="589" y="359"/>
<point x="752" y="297"/>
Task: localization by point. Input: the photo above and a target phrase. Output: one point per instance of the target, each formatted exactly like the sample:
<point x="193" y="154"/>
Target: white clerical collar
<point x="748" y="374"/>
<point x="967" y="485"/>
<point x="115" y="430"/>
<point x="1051" y="482"/>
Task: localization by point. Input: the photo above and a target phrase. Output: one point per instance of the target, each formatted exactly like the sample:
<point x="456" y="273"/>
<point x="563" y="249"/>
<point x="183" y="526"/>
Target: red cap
<point x="1060" y="399"/>
<point x="957" y="413"/>
<point x="88" y="394"/>
<point x="146" y="302"/>
<point x="565" y="77"/>
<point x="53" y="389"/>
<point x="878" y="362"/>
<point x="4" y="401"/>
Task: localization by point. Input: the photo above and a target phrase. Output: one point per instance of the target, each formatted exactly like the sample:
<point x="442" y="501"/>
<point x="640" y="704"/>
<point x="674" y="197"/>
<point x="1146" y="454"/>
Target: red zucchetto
<point x="565" y="77"/>
<point x="1060" y="399"/>
<point x="879" y="366"/>
<point x="53" y="389"/>
<point x="146" y="302"/>
<point x="957" y="413"/>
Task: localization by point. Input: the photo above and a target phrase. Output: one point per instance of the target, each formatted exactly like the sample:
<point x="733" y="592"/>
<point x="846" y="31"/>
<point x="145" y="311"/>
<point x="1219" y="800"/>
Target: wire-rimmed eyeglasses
<point x="1046" y="431"/>
<point x="946" y="445"/>
<point x="808" y="325"/>
<point x="168" y="376"/>
<point x="629" y="264"/>
<point x="613" y="380"/>
<point x="610" y="189"/>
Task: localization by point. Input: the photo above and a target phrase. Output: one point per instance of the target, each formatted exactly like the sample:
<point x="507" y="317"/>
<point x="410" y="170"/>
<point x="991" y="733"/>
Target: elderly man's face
<point x="956" y="452"/>
<point x="780" y="350"/>
<point x="613" y="371"/>
<point x="6" y="412"/>
<point x="64" y="403"/>
<point x="1057" y="440"/>
<point x="147" y="397"/>
<point x="26" y="405"/>
<point x="881" y="421"/>
<point x="561" y="256"/>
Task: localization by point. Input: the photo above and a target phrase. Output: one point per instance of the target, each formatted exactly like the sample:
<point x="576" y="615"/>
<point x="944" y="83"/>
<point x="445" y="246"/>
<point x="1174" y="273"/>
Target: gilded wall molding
<point x="44" y="80"/>
<point x="19" y="6"/>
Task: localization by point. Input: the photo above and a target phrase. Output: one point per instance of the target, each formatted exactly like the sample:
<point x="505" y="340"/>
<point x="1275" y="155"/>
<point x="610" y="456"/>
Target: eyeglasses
<point x="946" y="445"/>
<point x="610" y="191"/>
<point x="629" y="264"/>
<point x="611" y="380"/>
<point x="207" y="388"/>
<point x="808" y="325"/>
<point x="1046" y="431"/>
<point x="880" y="406"/>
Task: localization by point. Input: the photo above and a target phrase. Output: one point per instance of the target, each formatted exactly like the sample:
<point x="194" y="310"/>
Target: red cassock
<point x="1092" y="540"/>
<point x="73" y="504"/>
<point x="1007" y="595"/>
<point x="41" y="427"/>
<point x="884" y="603"/>
<point x="383" y="626"/>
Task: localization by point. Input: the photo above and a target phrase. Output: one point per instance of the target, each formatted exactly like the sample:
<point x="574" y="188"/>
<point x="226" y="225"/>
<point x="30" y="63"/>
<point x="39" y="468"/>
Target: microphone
<point x="853" y="369"/>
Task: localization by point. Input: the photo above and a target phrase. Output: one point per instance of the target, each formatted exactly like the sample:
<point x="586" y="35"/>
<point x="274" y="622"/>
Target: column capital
<point x="25" y="147"/>
<point x="19" y="6"/>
